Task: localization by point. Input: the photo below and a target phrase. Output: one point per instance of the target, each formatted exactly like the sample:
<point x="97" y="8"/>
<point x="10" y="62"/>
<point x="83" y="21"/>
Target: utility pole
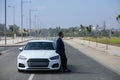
<point x="35" y="26"/>
<point x="97" y="34"/>
<point x="30" y="14"/>
<point x="5" y="22"/>
<point x="13" y="19"/>
<point x="22" y="20"/>
<point x="30" y="23"/>
<point x="38" y="27"/>
<point x="105" y="34"/>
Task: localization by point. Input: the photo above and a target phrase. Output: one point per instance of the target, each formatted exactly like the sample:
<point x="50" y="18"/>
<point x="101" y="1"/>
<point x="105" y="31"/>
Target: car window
<point x="39" y="46"/>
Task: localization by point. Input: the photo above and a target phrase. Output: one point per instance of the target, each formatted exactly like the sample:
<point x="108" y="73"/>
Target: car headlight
<point x="22" y="57"/>
<point x="54" y="57"/>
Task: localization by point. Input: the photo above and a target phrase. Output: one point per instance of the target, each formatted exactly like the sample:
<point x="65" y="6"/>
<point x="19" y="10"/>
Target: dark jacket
<point x="60" y="49"/>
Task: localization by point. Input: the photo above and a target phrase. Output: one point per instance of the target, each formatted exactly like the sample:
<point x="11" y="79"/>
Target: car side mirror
<point x="21" y="48"/>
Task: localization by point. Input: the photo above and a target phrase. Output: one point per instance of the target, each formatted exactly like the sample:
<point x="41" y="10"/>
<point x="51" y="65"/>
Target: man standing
<point x="60" y="49"/>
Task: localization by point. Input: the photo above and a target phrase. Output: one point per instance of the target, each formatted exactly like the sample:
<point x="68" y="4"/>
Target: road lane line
<point x="31" y="77"/>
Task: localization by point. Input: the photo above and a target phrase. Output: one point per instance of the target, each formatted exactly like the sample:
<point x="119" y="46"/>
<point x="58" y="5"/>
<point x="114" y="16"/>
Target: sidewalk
<point x="13" y="42"/>
<point x="109" y="49"/>
<point x="19" y="41"/>
<point x="109" y="58"/>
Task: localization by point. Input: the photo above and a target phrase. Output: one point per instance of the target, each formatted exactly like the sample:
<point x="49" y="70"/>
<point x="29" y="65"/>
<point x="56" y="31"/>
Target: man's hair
<point x="60" y="33"/>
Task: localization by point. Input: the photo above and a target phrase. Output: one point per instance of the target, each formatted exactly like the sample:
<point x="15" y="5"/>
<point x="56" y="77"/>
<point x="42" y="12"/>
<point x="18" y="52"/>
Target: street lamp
<point x="21" y="19"/>
<point x="30" y="13"/>
<point x="22" y="16"/>
<point x="5" y="22"/>
<point x="13" y="19"/>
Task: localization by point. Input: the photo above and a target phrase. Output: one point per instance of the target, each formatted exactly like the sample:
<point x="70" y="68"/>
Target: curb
<point x="12" y="45"/>
<point x="107" y="51"/>
<point x="15" y="45"/>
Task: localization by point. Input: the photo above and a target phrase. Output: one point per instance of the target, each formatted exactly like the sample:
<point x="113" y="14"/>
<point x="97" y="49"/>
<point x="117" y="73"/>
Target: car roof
<point x="40" y="41"/>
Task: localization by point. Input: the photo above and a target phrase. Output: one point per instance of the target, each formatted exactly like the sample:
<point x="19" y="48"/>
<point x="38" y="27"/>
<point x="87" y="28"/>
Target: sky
<point x="63" y="13"/>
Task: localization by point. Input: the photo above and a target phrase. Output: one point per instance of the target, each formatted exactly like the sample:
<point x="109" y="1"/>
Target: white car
<point x="38" y="55"/>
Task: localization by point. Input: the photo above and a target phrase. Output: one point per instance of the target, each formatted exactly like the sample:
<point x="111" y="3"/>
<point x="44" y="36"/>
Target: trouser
<point x="64" y="62"/>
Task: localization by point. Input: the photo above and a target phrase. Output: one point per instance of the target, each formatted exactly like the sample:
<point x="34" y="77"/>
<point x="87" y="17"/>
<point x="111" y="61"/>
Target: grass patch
<point x="112" y="41"/>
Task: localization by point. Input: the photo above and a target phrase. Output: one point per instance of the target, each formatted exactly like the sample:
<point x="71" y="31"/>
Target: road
<point x="82" y="68"/>
<point x="4" y="48"/>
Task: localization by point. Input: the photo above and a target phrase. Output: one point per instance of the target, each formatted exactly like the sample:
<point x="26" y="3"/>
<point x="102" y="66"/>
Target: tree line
<point x="79" y="31"/>
<point x="11" y="30"/>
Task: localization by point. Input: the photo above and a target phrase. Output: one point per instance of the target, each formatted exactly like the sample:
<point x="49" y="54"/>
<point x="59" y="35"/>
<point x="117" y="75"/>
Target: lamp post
<point x="22" y="17"/>
<point x="5" y="22"/>
<point x="13" y="19"/>
<point x="13" y="14"/>
<point x="30" y="13"/>
<point x="30" y="23"/>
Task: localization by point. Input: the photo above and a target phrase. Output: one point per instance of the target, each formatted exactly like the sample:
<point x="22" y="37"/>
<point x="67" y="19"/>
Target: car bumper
<point x="28" y="65"/>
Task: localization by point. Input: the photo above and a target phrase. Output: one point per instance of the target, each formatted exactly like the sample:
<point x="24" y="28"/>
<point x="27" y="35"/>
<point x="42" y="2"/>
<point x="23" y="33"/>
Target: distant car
<point x="38" y="55"/>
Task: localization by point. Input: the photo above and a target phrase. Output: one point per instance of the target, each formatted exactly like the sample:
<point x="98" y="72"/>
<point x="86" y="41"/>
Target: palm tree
<point x="89" y="28"/>
<point x="88" y="31"/>
<point x="82" y="28"/>
<point x="118" y="19"/>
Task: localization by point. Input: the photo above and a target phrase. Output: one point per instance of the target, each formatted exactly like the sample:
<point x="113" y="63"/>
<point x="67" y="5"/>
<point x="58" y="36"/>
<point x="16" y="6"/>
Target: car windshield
<point x="39" y="46"/>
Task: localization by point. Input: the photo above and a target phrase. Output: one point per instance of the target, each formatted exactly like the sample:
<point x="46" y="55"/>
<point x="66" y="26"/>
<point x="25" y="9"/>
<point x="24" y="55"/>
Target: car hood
<point x="38" y="53"/>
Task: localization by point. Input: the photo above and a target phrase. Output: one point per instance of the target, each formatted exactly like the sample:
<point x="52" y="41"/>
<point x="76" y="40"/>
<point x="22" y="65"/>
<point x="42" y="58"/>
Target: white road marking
<point x="31" y="77"/>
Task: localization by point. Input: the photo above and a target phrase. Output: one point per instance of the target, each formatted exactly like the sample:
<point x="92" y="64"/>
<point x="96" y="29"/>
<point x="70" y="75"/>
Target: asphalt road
<point x="81" y="66"/>
<point x="4" y="48"/>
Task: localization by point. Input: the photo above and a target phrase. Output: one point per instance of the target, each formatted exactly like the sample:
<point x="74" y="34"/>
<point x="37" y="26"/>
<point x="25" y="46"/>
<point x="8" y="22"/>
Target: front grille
<point x="38" y="62"/>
